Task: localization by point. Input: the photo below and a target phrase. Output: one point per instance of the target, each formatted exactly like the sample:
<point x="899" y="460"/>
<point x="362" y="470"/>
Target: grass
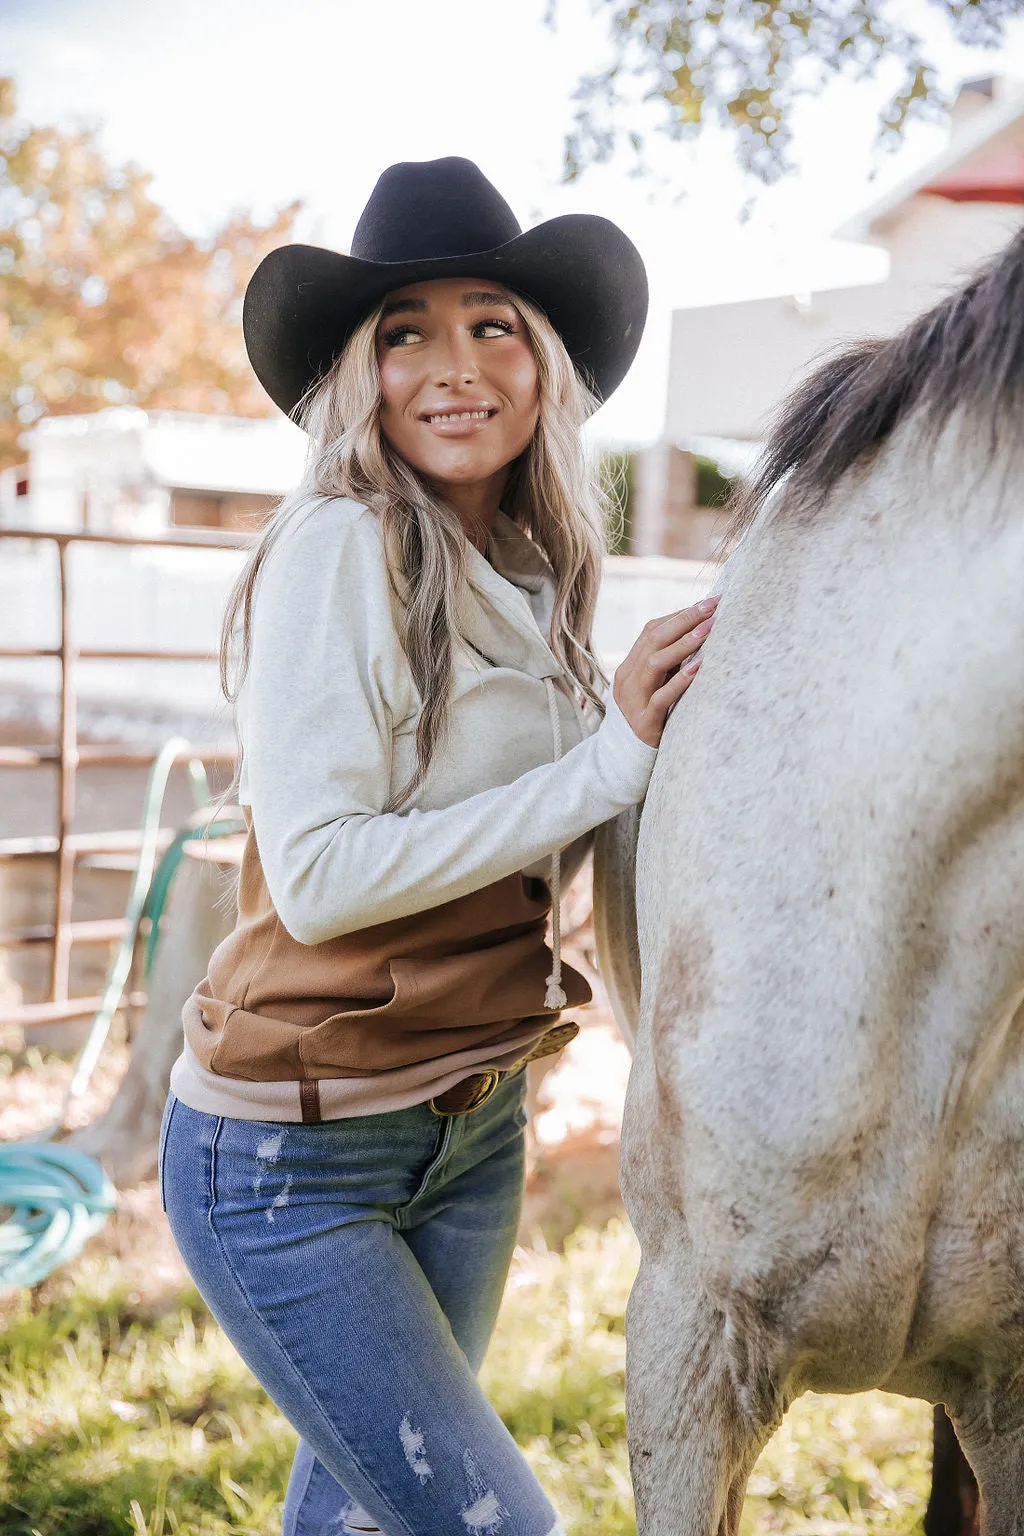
<point x="118" y="1418"/>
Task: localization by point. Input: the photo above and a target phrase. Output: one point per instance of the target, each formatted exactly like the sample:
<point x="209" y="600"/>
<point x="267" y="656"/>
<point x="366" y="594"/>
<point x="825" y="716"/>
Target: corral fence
<point x="68" y="850"/>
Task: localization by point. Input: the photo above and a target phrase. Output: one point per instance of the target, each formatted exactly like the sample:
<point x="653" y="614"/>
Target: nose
<point x="455" y="363"/>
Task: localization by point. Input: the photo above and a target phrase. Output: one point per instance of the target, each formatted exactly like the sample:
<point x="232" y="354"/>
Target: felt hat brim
<point x="303" y="301"/>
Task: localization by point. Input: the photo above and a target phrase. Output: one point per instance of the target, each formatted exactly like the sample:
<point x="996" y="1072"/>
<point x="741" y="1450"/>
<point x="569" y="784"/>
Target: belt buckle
<point x="491" y="1077"/>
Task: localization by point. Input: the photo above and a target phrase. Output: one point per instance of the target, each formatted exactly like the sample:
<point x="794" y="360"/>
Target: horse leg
<point x="730" y="1525"/>
<point x="691" y="1446"/>
<point x="997" y="1456"/>
<point x="953" y="1507"/>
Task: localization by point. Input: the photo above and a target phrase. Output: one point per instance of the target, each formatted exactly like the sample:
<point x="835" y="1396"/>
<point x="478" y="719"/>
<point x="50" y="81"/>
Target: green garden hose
<point x="58" y="1197"/>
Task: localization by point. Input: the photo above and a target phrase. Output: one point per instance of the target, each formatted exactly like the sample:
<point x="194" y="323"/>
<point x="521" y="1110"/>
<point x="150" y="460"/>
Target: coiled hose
<point x="56" y="1196"/>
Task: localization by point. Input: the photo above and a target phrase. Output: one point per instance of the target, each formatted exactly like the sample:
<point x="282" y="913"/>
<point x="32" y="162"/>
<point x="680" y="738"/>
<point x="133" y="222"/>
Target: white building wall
<point x="935" y="244"/>
<point x="90" y="472"/>
<point x="731" y="365"/>
<point x="113" y="471"/>
<point x="13" y="503"/>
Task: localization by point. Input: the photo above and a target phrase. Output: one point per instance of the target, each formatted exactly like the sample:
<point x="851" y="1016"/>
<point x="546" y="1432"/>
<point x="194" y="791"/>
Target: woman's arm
<point x="325" y="665"/>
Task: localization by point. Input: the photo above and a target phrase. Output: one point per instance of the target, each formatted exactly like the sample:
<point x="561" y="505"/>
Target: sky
<point x="254" y="103"/>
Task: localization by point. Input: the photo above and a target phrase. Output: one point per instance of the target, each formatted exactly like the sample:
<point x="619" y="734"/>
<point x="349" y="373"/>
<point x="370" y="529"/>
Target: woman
<point x="422" y="735"/>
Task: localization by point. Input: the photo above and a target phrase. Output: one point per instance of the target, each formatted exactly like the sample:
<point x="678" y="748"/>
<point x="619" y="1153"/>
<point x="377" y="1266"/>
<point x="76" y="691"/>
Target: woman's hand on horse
<point x="660" y="667"/>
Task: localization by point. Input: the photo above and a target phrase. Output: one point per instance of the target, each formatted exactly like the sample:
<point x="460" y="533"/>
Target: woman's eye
<point x="399" y="336"/>
<point x="487" y="329"/>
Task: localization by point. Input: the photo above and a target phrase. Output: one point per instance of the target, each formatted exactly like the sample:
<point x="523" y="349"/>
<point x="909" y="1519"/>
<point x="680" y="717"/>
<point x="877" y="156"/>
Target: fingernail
<point x="708" y="605"/>
<point x="703" y="628"/>
<point x="693" y="666"/>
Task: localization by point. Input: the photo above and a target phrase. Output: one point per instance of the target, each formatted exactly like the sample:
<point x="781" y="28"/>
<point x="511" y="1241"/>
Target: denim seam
<point x="161" y="1152"/>
<point x="305" y="1490"/>
<point x="292" y="1370"/>
<point x="212" y="1191"/>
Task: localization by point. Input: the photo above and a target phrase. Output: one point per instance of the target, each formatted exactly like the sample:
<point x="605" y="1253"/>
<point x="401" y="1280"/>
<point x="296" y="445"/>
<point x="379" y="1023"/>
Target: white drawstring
<point x="555" y="996"/>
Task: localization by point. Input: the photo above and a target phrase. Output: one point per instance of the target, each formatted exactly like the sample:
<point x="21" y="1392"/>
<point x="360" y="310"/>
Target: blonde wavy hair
<point x="550" y="493"/>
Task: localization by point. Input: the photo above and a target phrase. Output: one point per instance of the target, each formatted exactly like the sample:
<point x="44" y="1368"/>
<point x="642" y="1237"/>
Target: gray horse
<point x="823" y="1147"/>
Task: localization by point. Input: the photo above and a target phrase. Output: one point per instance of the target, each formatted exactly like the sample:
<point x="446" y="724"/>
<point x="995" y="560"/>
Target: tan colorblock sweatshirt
<point x="327" y="721"/>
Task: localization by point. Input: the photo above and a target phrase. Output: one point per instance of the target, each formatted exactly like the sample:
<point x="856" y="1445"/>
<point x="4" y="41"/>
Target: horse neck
<point x="839" y="807"/>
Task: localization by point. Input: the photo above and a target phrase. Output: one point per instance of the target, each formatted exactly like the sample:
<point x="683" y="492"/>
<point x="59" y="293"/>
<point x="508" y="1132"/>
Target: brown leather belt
<point x="473" y="1091"/>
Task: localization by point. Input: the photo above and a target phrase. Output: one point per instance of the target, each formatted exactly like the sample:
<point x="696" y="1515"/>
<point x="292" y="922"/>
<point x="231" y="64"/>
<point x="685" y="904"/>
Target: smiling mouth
<point x="457" y="418"/>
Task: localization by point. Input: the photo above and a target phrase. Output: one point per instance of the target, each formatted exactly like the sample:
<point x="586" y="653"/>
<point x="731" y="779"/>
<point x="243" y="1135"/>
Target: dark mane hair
<point x="965" y="354"/>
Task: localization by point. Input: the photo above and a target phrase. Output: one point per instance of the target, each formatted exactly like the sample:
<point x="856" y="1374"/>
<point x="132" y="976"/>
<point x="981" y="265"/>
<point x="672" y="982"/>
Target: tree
<point x="103" y="300"/>
<point x="745" y="64"/>
<point x="714" y="487"/>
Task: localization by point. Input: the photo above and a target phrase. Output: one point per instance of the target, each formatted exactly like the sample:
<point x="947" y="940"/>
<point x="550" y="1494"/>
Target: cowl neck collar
<point x="514" y="555"/>
<point x="497" y="617"/>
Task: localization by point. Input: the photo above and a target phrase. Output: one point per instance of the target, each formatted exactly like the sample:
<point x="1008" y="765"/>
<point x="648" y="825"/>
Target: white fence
<point x="173" y="599"/>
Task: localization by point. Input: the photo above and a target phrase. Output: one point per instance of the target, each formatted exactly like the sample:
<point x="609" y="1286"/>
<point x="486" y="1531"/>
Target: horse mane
<point x="966" y="354"/>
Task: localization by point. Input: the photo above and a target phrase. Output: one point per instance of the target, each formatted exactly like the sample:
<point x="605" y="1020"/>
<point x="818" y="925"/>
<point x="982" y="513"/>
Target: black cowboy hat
<point x="443" y="218"/>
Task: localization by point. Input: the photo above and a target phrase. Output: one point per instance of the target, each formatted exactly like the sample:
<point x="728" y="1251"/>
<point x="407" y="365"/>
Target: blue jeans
<point x="357" y="1266"/>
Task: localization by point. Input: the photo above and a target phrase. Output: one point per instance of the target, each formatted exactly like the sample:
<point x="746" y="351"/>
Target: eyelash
<point x="390" y="338"/>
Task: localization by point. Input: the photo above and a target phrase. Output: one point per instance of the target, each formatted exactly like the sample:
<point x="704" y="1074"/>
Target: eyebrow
<point x="480" y="296"/>
<point x="414" y="306"/>
<point x="474" y="299"/>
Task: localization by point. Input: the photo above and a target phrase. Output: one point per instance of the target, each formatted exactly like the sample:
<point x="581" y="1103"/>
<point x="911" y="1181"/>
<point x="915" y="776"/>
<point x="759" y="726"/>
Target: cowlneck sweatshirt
<point x="379" y="957"/>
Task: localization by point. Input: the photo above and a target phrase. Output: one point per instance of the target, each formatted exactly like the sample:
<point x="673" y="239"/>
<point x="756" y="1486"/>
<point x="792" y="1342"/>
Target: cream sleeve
<point x="326" y="682"/>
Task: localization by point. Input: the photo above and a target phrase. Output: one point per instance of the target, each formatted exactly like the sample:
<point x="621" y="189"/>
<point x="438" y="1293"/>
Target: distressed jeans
<point x="357" y="1266"/>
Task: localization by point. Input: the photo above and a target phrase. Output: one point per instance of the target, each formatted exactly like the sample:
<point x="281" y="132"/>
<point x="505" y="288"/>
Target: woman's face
<point x="459" y="380"/>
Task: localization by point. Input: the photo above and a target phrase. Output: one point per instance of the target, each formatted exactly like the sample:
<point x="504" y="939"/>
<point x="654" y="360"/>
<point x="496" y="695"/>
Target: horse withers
<point x="823" y="1143"/>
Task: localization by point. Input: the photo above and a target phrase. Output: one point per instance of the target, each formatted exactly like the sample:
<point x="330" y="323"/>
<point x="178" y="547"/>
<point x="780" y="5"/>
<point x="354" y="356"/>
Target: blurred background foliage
<point x="616" y="472"/>
<point x="103" y="299"/>
<point x="617" y="476"/>
<point x="745" y="64"/>
<point x="714" y="486"/>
